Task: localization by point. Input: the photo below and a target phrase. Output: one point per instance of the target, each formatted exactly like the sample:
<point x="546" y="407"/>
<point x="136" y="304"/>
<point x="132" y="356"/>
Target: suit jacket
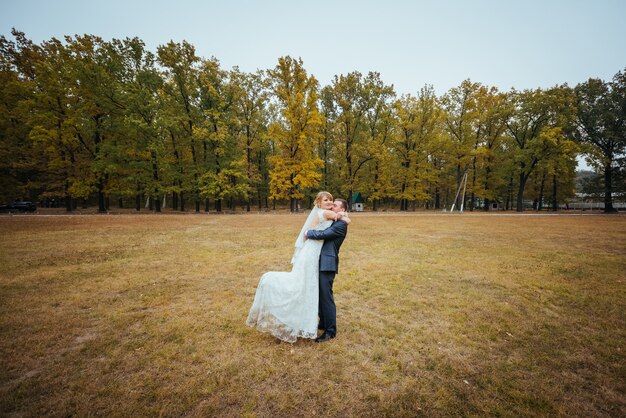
<point x="333" y="237"/>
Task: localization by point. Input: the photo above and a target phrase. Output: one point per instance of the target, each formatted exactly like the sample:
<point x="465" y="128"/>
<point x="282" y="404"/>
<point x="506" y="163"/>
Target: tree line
<point x="85" y="119"/>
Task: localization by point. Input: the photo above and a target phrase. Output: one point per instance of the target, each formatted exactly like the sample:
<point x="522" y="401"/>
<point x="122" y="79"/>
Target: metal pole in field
<point x="464" y="186"/>
<point x="455" y="198"/>
<point x="464" y="179"/>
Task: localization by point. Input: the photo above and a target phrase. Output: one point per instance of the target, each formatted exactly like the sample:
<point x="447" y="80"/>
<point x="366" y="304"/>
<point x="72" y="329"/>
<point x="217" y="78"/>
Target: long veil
<point x="300" y="239"/>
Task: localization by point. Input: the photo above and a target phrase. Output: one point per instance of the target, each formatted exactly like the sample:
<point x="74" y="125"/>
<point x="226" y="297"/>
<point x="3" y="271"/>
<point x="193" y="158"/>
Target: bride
<point x="286" y="303"/>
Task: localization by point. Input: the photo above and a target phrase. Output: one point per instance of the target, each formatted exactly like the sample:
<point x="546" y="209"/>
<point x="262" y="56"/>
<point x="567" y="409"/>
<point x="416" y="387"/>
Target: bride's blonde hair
<point x="318" y="199"/>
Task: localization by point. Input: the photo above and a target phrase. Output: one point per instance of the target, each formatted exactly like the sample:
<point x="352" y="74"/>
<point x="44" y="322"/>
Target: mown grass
<point x="438" y="315"/>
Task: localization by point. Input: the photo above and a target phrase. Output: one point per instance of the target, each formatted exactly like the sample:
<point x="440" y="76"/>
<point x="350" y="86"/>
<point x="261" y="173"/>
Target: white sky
<point x="503" y="43"/>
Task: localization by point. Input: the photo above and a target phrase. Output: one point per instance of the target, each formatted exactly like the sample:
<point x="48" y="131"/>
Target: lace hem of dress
<point x="269" y="324"/>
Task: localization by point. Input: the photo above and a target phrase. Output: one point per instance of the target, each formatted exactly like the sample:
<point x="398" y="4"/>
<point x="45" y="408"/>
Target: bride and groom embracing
<point x="287" y="304"/>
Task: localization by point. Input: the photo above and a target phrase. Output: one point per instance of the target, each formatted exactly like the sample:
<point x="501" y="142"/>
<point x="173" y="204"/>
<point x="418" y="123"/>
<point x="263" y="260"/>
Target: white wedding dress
<point x="286" y="303"/>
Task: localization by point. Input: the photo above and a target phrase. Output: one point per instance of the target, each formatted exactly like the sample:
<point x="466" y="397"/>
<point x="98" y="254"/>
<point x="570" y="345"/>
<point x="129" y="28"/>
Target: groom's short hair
<point x="344" y="203"/>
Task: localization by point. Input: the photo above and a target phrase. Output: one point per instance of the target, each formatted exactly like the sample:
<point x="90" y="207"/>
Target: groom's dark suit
<point x="333" y="237"/>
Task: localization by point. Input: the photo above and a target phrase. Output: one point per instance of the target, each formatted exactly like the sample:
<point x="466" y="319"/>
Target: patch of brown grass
<point x="438" y="315"/>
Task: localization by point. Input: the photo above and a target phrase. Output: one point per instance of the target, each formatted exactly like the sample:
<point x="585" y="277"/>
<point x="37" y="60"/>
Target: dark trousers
<point x="327" y="310"/>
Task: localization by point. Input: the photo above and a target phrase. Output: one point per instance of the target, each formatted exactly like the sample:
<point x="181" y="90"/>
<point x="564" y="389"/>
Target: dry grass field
<point x="438" y="315"/>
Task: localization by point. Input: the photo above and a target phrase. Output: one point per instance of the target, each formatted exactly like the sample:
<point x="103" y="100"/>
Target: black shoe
<point x="324" y="337"/>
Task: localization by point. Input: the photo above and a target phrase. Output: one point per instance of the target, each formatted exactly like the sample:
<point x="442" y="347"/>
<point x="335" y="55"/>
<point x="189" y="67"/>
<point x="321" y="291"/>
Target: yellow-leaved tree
<point x="294" y="167"/>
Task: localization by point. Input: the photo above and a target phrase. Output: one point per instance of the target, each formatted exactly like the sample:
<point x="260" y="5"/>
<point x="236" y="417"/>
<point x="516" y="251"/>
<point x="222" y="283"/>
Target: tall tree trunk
<point x="349" y="199"/>
<point x="157" y="202"/>
<point x="473" y="196"/>
<point x="555" y="206"/>
<point x="325" y="173"/>
<point x="541" y="191"/>
<point x="194" y="159"/>
<point x="138" y="198"/>
<point x="68" y="203"/>
<point x="175" y="196"/>
<point x="249" y="162"/>
<point x="376" y="188"/>
<point x="155" y="177"/>
<point x="260" y="159"/>
<point x="608" y="188"/>
<point x="459" y="180"/>
<point x="509" y="194"/>
<point x="174" y="200"/>
<point x="520" y="192"/>
<point x="101" y="202"/>
<point x="218" y="170"/>
<point x="487" y="173"/>
<point x="68" y="198"/>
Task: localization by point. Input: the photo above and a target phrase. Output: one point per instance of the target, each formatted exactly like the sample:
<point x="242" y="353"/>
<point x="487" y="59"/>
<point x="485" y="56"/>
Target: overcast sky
<point x="502" y="43"/>
<point x="521" y="44"/>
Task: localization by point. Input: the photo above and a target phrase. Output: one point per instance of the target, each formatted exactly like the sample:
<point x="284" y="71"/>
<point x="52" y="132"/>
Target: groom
<point x="333" y="237"/>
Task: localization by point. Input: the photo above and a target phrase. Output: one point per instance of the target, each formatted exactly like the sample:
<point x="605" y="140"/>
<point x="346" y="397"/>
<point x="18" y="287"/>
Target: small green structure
<point x="357" y="202"/>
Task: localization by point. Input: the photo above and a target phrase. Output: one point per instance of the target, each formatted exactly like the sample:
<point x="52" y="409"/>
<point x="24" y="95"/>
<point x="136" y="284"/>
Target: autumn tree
<point x="379" y="122"/>
<point x="601" y="126"/>
<point x="536" y="119"/>
<point x="143" y="152"/>
<point x="182" y="116"/>
<point x="83" y="117"/>
<point x="251" y="97"/>
<point x="23" y="166"/>
<point x="488" y="156"/>
<point x="100" y="128"/>
<point x="325" y="151"/>
<point x="419" y="120"/>
<point x="222" y="178"/>
<point x="80" y="119"/>
<point x="294" y="168"/>
<point x="56" y="124"/>
<point x="352" y="139"/>
<point x="460" y="106"/>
